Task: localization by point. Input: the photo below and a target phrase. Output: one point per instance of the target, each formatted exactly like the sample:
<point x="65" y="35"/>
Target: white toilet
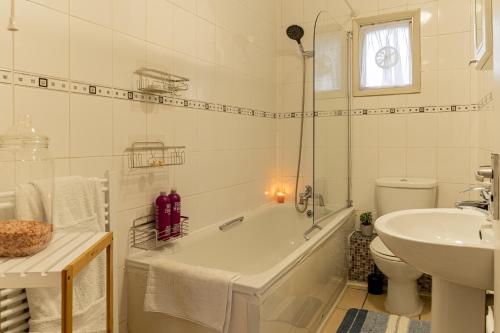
<point x="399" y="194"/>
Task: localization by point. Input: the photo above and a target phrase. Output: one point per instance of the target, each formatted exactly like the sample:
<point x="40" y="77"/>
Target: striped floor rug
<point x="363" y="321"/>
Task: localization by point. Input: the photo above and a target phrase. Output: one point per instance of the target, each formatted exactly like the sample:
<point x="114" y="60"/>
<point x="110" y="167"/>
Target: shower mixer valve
<point x="306" y="195"/>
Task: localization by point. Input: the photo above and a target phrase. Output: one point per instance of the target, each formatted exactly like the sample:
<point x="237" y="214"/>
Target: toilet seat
<point x="379" y="249"/>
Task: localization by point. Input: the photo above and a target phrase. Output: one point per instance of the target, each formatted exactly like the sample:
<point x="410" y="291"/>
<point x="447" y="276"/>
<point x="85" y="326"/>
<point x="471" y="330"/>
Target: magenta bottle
<point x="163" y="216"/>
<point x="175" y="219"/>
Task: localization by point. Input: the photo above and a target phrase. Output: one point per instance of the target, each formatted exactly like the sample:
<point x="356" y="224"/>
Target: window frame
<point x="414" y="16"/>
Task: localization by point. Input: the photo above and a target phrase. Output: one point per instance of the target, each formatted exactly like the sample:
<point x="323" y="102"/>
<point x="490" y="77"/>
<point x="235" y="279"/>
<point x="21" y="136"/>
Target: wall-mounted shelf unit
<point x="152" y="81"/>
<point x="143" y="234"/>
<point x="154" y="154"/>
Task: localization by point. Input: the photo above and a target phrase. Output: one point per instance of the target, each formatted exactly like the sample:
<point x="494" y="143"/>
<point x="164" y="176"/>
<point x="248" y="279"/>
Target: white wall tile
<point x="184" y="31"/>
<point x="205" y="79"/>
<point x="422" y="130"/>
<point x="386" y="4"/>
<point x="292" y="12"/>
<point x="449" y="194"/>
<point x="160" y="124"/>
<point x="6" y="112"/>
<point x="91" y="125"/>
<point x="129" y="17"/>
<point x="454" y="87"/>
<point x="205" y="40"/>
<point x="364" y="7"/>
<point x="42" y="41"/>
<point x="454" y="165"/>
<point x="363" y="194"/>
<point x="392" y="162"/>
<point x="421" y="162"/>
<point x="454" y="51"/>
<point x="5" y="37"/>
<point x="429" y="53"/>
<point x="206" y="9"/>
<point x="453" y="129"/>
<point x="312" y="9"/>
<point x="91" y="166"/>
<point x="189" y="5"/>
<point x="223" y="47"/>
<point x="49" y="111"/>
<point x="91" y="55"/>
<point x="392" y="130"/>
<point x="364" y="163"/>
<point x="365" y="131"/>
<point x="129" y="54"/>
<point x="159" y="23"/>
<point x="60" y="5"/>
<point x="129" y="124"/>
<point x="429" y="93"/>
<point x="454" y="16"/>
<point x="428" y="17"/>
<point x="159" y="58"/>
<point x="95" y="11"/>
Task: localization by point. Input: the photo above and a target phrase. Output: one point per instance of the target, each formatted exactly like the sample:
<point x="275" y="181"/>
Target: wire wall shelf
<point x="143" y="234"/>
<point x="154" y="154"/>
<point x="152" y="81"/>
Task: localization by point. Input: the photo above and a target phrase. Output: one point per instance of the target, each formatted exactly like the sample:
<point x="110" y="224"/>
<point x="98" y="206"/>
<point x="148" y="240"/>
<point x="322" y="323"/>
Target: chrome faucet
<point x="308" y="194"/>
<point x="478" y="205"/>
<point x="321" y="199"/>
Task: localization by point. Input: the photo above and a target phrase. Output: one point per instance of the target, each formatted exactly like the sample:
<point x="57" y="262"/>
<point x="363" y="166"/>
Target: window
<point x="386" y="52"/>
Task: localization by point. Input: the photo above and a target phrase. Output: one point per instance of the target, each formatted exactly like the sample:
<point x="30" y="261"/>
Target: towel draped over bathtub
<point x="78" y="207"/>
<point x="198" y="294"/>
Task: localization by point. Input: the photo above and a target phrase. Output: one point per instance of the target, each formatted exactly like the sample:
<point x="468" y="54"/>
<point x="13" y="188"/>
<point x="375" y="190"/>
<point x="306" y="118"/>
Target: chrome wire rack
<point x="152" y="81"/>
<point x="154" y="154"/>
<point x="143" y="233"/>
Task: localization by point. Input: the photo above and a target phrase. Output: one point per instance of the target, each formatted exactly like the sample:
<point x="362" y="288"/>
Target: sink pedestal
<point x="456" y="308"/>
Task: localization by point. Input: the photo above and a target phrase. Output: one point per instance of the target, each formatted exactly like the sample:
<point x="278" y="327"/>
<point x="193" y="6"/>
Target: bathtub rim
<point x="257" y="285"/>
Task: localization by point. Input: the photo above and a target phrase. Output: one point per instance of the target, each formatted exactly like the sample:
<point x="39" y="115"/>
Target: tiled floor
<point x="359" y="298"/>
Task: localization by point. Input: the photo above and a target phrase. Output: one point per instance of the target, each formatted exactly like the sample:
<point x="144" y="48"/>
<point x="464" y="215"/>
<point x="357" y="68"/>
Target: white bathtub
<point x="288" y="284"/>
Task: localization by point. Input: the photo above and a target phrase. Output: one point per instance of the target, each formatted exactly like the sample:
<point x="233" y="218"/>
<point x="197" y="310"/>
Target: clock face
<point x="387" y="57"/>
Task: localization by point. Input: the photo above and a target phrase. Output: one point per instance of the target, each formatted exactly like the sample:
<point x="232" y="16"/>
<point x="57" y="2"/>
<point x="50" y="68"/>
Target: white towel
<point x="78" y="206"/>
<point x="198" y="294"/>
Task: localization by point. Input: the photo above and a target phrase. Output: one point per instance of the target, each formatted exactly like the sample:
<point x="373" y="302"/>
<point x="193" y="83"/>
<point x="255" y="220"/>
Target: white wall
<point x="226" y="48"/>
<point x="439" y="143"/>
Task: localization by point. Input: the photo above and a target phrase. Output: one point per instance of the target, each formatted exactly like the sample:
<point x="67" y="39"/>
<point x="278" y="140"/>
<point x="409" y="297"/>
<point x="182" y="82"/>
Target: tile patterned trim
<point x="486" y="102"/>
<point x="361" y="262"/>
<point x="59" y="84"/>
<point x="400" y="110"/>
<point x="52" y="83"/>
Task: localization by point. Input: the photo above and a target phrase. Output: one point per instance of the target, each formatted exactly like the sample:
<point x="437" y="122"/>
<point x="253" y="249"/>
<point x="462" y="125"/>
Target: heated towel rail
<point x="64" y="258"/>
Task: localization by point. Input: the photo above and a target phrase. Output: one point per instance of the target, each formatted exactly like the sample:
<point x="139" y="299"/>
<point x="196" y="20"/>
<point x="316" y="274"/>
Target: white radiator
<point x="14" y="310"/>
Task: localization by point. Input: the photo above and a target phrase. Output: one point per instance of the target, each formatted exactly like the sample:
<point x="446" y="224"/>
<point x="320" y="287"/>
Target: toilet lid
<point x="379" y="247"/>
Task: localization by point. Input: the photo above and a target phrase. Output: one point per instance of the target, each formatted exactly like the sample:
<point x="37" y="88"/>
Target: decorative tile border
<point x="486" y="102"/>
<point x="59" y="84"/>
<point x="51" y="83"/>
<point x="361" y="262"/>
<point x="401" y="110"/>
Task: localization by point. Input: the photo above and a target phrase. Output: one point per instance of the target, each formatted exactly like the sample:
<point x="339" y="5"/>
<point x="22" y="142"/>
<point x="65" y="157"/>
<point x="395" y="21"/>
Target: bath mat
<point x="363" y="321"/>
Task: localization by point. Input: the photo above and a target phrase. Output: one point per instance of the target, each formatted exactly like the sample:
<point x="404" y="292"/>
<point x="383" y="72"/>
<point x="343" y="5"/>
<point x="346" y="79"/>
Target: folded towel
<point x="198" y="294"/>
<point x="78" y="207"/>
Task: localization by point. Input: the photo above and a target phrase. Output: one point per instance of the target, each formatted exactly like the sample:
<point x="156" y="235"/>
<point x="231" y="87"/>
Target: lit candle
<point x="280" y="197"/>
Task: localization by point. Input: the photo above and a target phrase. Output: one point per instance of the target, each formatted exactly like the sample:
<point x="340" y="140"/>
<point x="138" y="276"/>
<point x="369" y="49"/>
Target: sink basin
<point x="456" y="247"/>
<point x="442" y="242"/>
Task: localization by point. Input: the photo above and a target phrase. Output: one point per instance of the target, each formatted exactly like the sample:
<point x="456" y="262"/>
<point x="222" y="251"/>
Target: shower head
<point x="295" y="32"/>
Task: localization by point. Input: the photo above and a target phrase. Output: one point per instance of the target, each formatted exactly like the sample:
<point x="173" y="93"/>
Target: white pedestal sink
<point x="454" y="246"/>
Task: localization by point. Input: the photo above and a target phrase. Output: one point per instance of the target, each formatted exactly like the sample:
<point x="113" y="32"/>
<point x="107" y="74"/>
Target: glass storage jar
<point x="26" y="191"/>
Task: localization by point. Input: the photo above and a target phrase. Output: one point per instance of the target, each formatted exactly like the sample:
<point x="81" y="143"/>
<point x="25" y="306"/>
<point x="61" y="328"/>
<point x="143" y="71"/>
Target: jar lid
<point x="22" y="134"/>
